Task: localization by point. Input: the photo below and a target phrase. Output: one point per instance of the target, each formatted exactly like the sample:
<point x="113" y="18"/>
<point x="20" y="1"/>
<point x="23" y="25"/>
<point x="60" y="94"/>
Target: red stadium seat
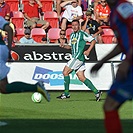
<point x="52" y="18"/>
<point x="19" y="33"/>
<point x="14" y="4"/>
<point x="107" y="36"/>
<point x="53" y="35"/>
<point x="38" y="34"/>
<point x="68" y="33"/>
<point x="47" y="5"/>
<point x="17" y="19"/>
<point x="105" y="27"/>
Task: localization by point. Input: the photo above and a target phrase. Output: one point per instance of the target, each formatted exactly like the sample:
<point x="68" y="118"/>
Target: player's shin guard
<point x="66" y="84"/>
<point x="112" y="122"/>
<point x="89" y="84"/>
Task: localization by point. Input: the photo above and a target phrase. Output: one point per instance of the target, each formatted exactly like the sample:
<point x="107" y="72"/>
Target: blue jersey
<point x="3" y="22"/>
<point x="121" y="20"/>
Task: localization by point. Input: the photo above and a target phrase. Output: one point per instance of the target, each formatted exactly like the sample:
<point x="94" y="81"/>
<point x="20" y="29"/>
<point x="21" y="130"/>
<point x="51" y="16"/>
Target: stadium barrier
<point x="46" y="63"/>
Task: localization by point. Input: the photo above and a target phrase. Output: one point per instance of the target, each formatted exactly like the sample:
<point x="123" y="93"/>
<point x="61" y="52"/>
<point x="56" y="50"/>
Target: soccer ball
<point x="36" y="97"/>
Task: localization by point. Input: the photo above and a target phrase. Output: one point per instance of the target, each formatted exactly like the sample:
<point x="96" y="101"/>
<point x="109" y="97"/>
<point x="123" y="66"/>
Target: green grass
<point x="79" y="114"/>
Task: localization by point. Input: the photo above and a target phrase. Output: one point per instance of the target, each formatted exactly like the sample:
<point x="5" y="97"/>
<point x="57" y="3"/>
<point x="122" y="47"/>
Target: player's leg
<point x="112" y="120"/>
<point x="119" y="92"/>
<point x="66" y="72"/>
<point x="18" y="87"/>
<point x="87" y="82"/>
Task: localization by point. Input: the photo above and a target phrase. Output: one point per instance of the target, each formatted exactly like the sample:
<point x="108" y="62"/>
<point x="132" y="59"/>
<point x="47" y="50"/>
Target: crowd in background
<point x="93" y="16"/>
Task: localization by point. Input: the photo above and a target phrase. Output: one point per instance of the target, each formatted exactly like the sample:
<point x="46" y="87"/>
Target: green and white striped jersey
<point x="77" y="42"/>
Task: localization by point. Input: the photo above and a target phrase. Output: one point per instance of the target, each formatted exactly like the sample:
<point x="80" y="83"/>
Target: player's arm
<point x="87" y="52"/>
<point x="117" y="50"/>
<point x="92" y="41"/>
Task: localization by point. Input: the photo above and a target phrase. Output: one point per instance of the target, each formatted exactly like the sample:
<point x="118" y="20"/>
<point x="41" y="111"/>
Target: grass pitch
<point x="79" y="114"/>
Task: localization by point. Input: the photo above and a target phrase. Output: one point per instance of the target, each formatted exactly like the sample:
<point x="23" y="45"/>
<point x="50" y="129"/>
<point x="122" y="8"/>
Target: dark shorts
<point x="122" y="90"/>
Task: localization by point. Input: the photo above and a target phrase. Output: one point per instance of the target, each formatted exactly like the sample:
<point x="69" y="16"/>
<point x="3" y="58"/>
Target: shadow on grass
<point x="58" y="126"/>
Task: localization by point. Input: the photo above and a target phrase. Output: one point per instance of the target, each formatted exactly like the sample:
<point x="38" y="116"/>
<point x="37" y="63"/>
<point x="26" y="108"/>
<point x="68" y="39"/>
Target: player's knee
<point x="65" y="73"/>
<point x="108" y="107"/>
<point x="81" y="78"/>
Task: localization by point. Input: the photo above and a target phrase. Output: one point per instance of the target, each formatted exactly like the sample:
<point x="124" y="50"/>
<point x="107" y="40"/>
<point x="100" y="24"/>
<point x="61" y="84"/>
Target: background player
<point x="77" y="44"/>
<point x="14" y="87"/>
<point x="122" y="89"/>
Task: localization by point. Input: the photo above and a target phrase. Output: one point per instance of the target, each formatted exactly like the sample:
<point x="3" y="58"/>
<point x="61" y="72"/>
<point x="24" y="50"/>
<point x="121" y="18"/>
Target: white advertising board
<point x="51" y="75"/>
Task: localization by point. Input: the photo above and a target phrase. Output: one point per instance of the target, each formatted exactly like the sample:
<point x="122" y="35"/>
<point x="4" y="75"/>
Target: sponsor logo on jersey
<point x="125" y="10"/>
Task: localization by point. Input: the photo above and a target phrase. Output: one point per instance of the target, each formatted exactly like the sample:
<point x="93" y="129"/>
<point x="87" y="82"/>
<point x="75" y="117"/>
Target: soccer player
<point x="121" y="21"/>
<point x="14" y="87"/>
<point x="77" y="44"/>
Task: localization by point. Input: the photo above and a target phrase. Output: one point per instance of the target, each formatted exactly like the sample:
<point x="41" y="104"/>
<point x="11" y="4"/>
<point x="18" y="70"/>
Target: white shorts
<point x="4" y="70"/>
<point x="76" y="64"/>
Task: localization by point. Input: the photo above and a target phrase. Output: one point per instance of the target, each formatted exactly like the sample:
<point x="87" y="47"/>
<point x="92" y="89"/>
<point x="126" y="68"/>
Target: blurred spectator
<point x="84" y="5"/>
<point x="92" y="27"/>
<point x="44" y="40"/>
<point x="8" y="18"/>
<point x="27" y="37"/>
<point x="31" y="13"/>
<point x="58" y="6"/>
<point x="62" y="38"/>
<point x="102" y="13"/>
<point x="4" y="8"/>
<point x="94" y="3"/>
<point x="72" y="12"/>
<point x="4" y="33"/>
